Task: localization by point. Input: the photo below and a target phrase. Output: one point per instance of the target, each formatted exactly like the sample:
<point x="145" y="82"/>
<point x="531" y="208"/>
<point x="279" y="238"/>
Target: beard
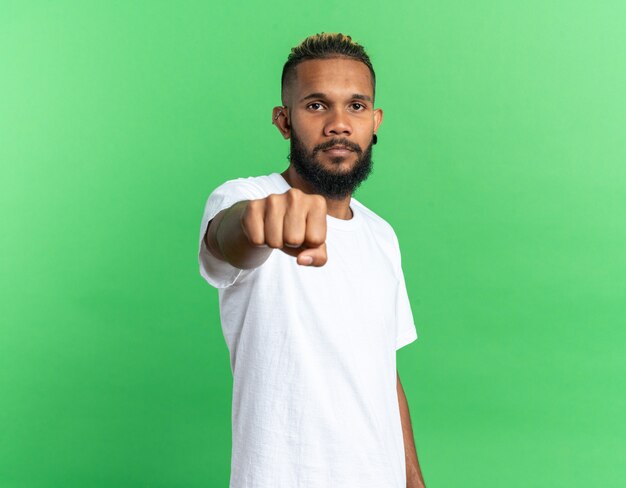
<point x="331" y="184"/>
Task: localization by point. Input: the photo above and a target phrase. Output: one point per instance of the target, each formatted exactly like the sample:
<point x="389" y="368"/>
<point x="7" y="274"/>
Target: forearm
<point x="227" y="241"/>
<point x="414" y="478"/>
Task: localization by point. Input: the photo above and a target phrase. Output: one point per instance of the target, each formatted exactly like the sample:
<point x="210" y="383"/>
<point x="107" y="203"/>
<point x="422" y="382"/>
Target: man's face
<point x="330" y="104"/>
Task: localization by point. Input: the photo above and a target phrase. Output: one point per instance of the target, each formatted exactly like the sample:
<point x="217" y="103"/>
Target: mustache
<point x="338" y="142"/>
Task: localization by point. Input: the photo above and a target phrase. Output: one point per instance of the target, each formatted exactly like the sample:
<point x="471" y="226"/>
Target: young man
<point x="313" y="301"/>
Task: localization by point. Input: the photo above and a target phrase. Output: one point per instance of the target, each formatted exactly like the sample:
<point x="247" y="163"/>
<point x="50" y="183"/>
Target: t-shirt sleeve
<point x="406" y="331"/>
<point x="216" y="272"/>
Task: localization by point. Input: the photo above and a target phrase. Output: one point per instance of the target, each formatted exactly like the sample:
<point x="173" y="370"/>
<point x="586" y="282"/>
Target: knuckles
<point x="319" y="200"/>
<point x="296" y="197"/>
<point x="274" y="201"/>
<point x="254" y="219"/>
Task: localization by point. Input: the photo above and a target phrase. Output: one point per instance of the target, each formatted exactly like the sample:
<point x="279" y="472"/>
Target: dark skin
<point x="327" y="99"/>
<point x="322" y="105"/>
<point x="414" y="478"/>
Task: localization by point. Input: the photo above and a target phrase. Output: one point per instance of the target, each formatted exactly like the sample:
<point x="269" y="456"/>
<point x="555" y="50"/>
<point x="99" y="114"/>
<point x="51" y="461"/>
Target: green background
<point x="500" y="164"/>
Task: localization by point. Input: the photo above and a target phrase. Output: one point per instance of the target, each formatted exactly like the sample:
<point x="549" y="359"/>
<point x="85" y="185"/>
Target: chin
<point x="341" y="160"/>
<point x="342" y="166"/>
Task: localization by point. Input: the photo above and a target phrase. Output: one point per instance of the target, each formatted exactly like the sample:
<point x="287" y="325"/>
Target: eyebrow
<point x="356" y="96"/>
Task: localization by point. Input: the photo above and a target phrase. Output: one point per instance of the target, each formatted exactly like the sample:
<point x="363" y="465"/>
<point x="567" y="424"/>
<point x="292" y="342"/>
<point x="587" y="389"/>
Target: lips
<point x="338" y="148"/>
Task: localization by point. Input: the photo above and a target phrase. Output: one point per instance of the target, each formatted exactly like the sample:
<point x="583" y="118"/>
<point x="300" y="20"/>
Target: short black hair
<point x="325" y="46"/>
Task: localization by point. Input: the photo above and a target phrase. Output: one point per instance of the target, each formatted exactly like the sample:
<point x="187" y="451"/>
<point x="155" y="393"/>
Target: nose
<point x="338" y="124"/>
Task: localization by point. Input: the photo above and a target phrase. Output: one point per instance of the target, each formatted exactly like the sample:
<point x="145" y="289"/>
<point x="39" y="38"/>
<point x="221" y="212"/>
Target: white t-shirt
<point x="313" y="353"/>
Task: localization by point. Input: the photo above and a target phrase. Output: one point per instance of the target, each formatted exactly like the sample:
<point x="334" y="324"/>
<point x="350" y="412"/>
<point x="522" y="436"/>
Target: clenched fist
<point x="294" y="222"/>
<point x="245" y="234"/>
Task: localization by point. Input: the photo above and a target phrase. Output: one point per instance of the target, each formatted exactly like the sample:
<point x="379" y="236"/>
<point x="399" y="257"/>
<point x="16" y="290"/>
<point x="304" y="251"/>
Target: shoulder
<point x="253" y="186"/>
<point x="384" y="234"/>
<point x="375" y="221"/>
<point x="382" y="230"/>
<point x="263" y="182"/>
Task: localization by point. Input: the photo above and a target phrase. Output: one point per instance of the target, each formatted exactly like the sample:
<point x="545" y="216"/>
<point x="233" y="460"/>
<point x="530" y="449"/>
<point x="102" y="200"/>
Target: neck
<point x="340" y="209"/>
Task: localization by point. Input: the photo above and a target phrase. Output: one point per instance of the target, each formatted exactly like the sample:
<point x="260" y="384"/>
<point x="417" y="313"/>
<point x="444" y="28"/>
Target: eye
<point x="359" y="106"/>
<point x="314" y="103"/>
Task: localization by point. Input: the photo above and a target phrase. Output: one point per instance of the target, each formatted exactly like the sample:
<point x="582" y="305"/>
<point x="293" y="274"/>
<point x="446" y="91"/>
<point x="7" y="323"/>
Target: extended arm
<point x="414" y="477"/>
<point x="232" y="244"/>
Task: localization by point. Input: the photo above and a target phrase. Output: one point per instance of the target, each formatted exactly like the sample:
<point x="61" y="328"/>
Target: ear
<point x="378" y="118"/>
<point x="280" y="118"/>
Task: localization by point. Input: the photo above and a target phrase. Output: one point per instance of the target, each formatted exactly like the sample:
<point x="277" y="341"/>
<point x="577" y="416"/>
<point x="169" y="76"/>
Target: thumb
<point x="313" y="256"/>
